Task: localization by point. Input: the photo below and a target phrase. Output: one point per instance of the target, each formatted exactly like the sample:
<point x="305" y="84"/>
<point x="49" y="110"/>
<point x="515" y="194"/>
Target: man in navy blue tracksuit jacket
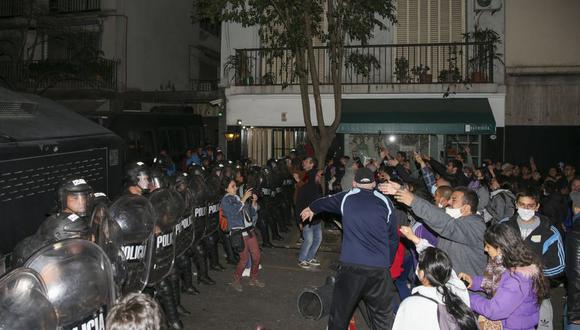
<point x="369" y="244"/>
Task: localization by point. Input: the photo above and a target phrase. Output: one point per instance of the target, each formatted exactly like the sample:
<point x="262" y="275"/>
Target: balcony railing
<point x="73" y="6"/>
<point x="11" y="8"/>
<point x="466" y="62"/>
<point x="203" y="85"/>
<point x="39" y="75"/>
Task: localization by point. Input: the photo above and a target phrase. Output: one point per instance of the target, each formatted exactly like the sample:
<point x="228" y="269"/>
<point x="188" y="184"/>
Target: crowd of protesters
<point x="471" y="246"/>
<point x="498" y="227"/>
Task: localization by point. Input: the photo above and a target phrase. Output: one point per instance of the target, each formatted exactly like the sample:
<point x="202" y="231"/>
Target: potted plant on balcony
<point x="240" y="64"/>
<point x="268" y="78"/>
<point x="451" y="74"/>
<point x="422" y="73"/>
<point x="484" y="52"/>
<point x="402" y="70"/>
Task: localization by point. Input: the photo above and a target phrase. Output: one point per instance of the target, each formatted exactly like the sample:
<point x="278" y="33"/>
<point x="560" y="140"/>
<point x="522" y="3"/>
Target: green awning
<point x="417" y="116"/>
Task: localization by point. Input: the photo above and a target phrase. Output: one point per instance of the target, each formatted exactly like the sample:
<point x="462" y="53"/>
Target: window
<point x="430" y="21"/>
<point x="455" y="144"/>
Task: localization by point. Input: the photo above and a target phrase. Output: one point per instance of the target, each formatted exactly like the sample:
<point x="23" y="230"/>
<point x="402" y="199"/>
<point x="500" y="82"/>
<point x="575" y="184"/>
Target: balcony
<point x="73" y="6"/>
<point x="11" y="8"/>
<point x="203" y="85"/>
<point x="441" y="63"/>
<point x="37" y="76"/>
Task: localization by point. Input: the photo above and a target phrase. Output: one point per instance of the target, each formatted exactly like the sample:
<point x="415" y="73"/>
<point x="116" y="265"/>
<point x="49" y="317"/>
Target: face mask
<point x="454" y="213"/>
<point x="433" y="189"/>
<point x="526" y="214"/>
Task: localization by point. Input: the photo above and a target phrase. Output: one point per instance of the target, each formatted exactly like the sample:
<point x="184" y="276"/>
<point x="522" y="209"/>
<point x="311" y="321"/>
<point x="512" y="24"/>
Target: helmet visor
<point x="78" y="202"/>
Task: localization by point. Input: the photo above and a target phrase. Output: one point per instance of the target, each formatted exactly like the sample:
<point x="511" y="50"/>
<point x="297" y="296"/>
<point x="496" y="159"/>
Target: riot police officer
<point x="137" y="179"/>
<point x="70" y="221"/>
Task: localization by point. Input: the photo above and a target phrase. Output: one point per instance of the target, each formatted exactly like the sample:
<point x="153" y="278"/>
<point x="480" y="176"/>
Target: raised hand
<point x="389" y="188"/>
<point x="404" y="196"/>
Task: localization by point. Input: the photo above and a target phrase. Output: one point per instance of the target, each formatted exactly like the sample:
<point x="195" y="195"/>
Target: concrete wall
<point x="542" y="35"/>
<point x="543" y="100"/>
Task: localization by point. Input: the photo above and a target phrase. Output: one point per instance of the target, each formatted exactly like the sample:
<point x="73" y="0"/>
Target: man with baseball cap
<point x="369" y="244"/>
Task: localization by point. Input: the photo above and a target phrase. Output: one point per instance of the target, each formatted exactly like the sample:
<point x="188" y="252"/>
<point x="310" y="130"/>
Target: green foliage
<point x="485" y="51"/>
<point x="402" y="69"/>
<point x="299" y="25"/>
<point x="362" y="63"/>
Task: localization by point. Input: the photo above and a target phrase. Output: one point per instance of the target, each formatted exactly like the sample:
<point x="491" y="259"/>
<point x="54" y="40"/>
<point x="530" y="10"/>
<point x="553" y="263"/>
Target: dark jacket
<point x="573" y="269"/>
<point x="502" y="205"/>
<point x="546" y="242"/>
<point x="555" y="207"/>
<point x="456" y="180"/>
<point x="308" y="192"/>
<point x="461" y="239"/>
<point x="370" y="231"/>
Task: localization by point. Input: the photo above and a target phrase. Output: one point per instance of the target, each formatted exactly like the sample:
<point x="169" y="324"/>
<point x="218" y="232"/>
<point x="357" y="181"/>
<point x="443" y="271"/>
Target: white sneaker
<point x="246" y="272"/>
<point x="314" y="262"/>
<point x="304" y="264"/>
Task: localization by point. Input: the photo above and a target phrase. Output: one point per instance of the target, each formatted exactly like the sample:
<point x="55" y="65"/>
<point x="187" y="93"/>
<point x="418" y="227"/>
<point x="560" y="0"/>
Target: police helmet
<point x="75" y="195"/>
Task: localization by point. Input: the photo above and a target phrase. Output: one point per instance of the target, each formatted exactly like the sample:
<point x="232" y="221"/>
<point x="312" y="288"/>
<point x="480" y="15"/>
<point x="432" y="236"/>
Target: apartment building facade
<point x="458" y="101"/>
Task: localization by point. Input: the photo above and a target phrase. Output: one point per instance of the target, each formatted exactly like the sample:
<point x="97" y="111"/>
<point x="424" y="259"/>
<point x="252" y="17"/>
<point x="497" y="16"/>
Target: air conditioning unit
<point x="482" y="5"/>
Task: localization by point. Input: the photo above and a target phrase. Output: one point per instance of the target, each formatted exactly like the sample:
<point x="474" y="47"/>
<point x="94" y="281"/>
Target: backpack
<point x="446" y="321"/>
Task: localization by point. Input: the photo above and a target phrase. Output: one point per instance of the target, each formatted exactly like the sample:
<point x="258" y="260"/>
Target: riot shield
<point x="79" y="282"/>
<point x="199" y="191"/>
<point x="107" y="234"/>
<point x="184" y="229"/>
<point x="215" y="194"/>
<point x="168" y="206"/>
<point x="135" y="216"/>
<point x="24" y="303"/>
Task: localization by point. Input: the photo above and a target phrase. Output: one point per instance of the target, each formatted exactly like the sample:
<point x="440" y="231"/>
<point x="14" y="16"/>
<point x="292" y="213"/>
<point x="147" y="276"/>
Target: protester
<point x="572" y="314"/>
<point x="513" y="282"/>
<point x="502" y="201"/>
<point x="460" y="230"/>
<point x="309" y="191"/>
<point x="439" y="286"/>
<point x="544" y="240"/>
<point x="368" y="247"/>
<point x="242" y="217"/>
<point x="135" y="311"/>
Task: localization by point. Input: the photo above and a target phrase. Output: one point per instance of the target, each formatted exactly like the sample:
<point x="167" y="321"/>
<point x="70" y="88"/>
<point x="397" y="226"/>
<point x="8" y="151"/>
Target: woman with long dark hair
<point x="440" y="286"/>
<point x="241" y="219"/>
<point x="513" y="281"/>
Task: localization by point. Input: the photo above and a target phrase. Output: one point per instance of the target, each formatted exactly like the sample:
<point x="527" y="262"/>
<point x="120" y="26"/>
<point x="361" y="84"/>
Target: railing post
<point x="491" y="56"/>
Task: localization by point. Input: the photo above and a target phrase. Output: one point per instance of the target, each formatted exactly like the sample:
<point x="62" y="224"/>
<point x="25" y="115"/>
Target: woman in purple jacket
<point x="513" y="281"/>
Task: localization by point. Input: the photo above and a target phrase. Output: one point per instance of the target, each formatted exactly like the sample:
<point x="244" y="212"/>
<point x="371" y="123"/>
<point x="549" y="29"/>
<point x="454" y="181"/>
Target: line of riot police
<point x="92" y="251"/>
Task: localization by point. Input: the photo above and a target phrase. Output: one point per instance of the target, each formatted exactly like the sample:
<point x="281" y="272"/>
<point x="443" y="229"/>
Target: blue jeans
<point x="566" y="325"/>
<point x="312" y="238"/>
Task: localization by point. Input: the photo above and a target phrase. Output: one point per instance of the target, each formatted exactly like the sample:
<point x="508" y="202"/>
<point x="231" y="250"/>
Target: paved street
<point x="275" y="306"/>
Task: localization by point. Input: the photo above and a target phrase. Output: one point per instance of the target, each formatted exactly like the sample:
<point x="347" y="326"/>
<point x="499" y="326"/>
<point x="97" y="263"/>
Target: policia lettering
<point x="93" y="322"/>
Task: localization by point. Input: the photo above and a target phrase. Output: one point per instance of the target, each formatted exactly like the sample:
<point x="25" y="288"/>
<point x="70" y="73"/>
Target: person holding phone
<point x="241" y="217"/>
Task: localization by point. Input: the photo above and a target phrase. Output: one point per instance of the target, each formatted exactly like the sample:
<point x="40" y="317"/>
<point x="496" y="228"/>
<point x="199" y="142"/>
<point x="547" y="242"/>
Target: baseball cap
<point x="364" y="175"/>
